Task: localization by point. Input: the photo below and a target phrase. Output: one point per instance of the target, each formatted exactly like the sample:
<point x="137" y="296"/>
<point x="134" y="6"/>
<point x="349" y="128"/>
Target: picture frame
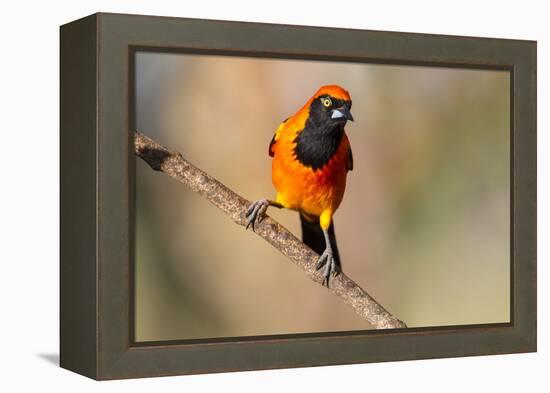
<point x="97" y="203"/>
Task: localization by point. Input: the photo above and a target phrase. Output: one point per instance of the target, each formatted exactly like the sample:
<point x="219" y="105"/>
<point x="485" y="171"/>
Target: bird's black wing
<point x="350" y="159"/>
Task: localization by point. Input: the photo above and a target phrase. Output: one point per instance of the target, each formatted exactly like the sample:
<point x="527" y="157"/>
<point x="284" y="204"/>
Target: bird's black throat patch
<point x="316" y="146"/>
<point x="319" y="140"/>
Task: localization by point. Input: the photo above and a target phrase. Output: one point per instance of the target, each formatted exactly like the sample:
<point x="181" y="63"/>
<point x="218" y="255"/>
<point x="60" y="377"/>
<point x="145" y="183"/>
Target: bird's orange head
<point x="334" y="91"/>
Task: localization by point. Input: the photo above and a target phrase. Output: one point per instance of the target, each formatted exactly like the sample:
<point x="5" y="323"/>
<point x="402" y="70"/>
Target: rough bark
<point x="174" y="165"/>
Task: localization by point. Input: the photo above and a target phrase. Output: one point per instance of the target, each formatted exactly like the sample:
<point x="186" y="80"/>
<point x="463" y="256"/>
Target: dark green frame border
<point x="97" y="168"/>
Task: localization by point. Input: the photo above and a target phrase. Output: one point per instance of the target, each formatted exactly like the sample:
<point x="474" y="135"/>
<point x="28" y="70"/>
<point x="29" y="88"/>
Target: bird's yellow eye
<point x="326" y="102"/>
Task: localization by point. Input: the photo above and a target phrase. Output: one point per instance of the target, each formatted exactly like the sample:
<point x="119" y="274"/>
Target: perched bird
<point x="311" y="157"/>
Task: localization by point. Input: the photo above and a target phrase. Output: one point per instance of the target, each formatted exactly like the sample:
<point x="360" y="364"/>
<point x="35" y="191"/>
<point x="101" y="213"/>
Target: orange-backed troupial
<point x="311" y="158"/>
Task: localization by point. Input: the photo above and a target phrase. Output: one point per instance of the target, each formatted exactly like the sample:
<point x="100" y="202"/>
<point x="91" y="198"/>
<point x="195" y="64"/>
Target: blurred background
<point x="423" y="227"/>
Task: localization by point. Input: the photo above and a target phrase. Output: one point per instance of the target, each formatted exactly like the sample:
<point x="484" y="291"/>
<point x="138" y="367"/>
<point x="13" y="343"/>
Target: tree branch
<point x="174" y="165"/>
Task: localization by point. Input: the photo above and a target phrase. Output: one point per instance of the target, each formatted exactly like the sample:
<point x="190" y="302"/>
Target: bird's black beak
<point x="342" y="112"/>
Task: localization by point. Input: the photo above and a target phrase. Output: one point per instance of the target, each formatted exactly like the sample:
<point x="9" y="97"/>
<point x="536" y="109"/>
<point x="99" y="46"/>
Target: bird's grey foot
<point x="331" y="267"/>
<point x="256" y="212"/>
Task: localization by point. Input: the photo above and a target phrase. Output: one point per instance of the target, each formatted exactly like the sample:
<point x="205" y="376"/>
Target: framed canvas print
<point x="241" y="196"/>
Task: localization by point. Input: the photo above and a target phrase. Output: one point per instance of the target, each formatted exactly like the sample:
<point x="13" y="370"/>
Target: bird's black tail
<point x="313" y="237"/>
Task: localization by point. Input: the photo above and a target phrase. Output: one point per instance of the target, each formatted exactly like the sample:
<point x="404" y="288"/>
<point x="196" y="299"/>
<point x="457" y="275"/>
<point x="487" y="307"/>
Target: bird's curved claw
<point x="331" y="267"/>
<point x="256" y="212"/>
